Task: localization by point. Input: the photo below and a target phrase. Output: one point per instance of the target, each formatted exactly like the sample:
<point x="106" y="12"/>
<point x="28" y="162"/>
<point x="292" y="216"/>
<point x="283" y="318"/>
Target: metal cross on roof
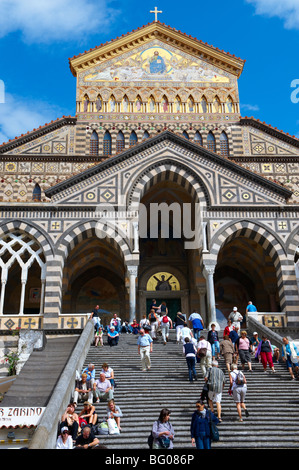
<point x="156" y="13"/>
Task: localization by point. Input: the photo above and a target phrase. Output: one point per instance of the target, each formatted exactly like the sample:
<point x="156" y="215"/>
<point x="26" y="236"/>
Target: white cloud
<point x="250" y="107"/>
<point x="46" y="21"/>
<point x="18" y="116"/>
<point x="287" y="10"/>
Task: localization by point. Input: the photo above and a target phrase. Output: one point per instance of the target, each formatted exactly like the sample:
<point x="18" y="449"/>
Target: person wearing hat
<point x="64" y="440"/>
<point x="255" y="340"/>
<point x="236" y="317"/>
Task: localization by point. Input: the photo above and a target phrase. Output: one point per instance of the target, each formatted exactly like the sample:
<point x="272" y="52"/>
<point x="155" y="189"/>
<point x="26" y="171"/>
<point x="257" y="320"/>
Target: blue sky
<point x="38" y="36"/>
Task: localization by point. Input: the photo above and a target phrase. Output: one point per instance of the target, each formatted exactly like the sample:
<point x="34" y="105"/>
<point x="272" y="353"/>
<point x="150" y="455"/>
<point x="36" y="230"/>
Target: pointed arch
<point x="190" y="104"/>
<point x="120" y="142"/>
<point x="203" y="105"/>
<point x="152" y="104"/>
<point x="107" y="143"/>
<point x="112" y="104"/>
<point x="229" y="105"/>
<point x="138" y="104"/>
<point x="145" y="135"/>
<point x="211" y="143"/>
<point x="125" y="104"/>
<point x="224" y="147"/>
<point x="186" y="135"/>
<point x="198" y="138"/>
<point x="177" y="104"/>
<point x="99" y="104"/>
<point x="85" y="102"/>
<point x="37" y="193"/>
<point x="133" y="138"/>
<point x="94" y="144"/>
<point x="216" y="105"/>
<point x="165" y="104"/>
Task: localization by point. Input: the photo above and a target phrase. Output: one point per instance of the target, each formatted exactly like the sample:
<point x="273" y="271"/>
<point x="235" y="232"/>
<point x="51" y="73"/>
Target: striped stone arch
<point x="169" y="170"/>
<point x="248" y="229"/>
<point x="89" y="229"/>
<point x="284" y="265"/>
<point x="31" y="229"/>
<point x="293" y="242"/>
<point x="65" y="244"/>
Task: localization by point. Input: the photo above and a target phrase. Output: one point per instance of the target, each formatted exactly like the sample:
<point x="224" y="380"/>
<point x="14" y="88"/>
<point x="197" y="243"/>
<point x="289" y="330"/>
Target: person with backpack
<point x="238" y="386"/>
<point x="154" y="323"/>
<point x="190" y="351"/>
<point x="165" y="323"/>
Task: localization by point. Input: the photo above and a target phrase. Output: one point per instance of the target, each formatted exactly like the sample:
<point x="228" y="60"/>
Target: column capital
<point x="208" y="269"/>
<point x="132" y="270"/>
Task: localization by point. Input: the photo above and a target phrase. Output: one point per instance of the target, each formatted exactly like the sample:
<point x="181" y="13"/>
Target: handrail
<point x="45" y="435"/>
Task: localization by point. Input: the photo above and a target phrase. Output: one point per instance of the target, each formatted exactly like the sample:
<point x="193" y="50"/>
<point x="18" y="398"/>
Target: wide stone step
<point x="272" y="399"/>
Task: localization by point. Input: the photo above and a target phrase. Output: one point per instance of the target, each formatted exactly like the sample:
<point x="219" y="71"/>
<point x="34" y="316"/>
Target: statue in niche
<point x="177" y="105"/>
<point x="229" y="105"/>
<point x="204" y="106"/>
<point x="152" y="105"/>
<point x="112" y="105"/>
<point x="216" y="105"/>
<point x="191" y="106"/>
<point x="138" y="104"/>
<point x="99" y="104"/>
<point x="165" y="105"/>
<point x="125" y="104"/>
<point x="86" y="103"/>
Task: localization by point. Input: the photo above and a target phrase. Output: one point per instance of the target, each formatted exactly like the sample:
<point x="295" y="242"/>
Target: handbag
<point x="112" y="426"/>
<point x="202" y="352"/>
<point x="164" y="442"/>
<point x="213" y="430"/>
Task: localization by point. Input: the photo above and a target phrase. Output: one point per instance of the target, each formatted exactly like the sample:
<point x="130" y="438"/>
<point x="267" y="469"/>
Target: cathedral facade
<point x="157" y="128"/>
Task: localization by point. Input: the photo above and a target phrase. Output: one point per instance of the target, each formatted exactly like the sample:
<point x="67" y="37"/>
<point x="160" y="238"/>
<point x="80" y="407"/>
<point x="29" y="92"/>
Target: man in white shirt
<point x="204" y="351"/>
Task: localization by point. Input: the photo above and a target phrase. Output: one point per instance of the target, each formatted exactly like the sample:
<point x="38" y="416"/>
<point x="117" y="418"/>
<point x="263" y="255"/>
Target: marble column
<point x="132" y="273"/>
<point x="208" y="273"/>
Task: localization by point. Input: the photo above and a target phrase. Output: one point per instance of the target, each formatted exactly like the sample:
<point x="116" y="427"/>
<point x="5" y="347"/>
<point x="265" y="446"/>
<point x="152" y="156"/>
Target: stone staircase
<point x="272" y="399"/>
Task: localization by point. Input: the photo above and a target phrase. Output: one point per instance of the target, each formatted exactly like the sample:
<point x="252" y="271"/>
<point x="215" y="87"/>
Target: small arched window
<point x="185" y="134"/>
<point x="107" y="143"/>
<point x="211" y="144"/>
<point x="120" y="142"/>
<point x="133" y="138"/>
<point x="224" y="149"/>
<point x="94" y="144"/>
<point x="37" y="193"/>
<point x="198" y="138"/>
<point x="145" y="135"/>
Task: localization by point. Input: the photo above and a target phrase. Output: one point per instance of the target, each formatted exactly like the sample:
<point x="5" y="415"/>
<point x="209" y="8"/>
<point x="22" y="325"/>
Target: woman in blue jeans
<point x="200" y="427"/>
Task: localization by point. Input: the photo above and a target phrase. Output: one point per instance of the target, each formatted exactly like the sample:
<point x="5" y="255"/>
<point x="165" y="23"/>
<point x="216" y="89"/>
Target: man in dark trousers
<point x="190" y="354"/>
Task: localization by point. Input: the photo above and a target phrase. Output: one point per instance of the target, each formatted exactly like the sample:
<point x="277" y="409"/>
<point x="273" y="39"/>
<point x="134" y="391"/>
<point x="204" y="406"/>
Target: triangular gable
<point x="52" y="138"/>
<point x="166" y="34"/>
<point x="225" y="183"/>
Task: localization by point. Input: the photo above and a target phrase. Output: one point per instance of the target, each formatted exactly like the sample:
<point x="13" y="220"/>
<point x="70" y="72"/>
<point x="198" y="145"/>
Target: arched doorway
<point x="245" y="271"/>
<point x="93" y="275"/>
<point x="167" y="271"/>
